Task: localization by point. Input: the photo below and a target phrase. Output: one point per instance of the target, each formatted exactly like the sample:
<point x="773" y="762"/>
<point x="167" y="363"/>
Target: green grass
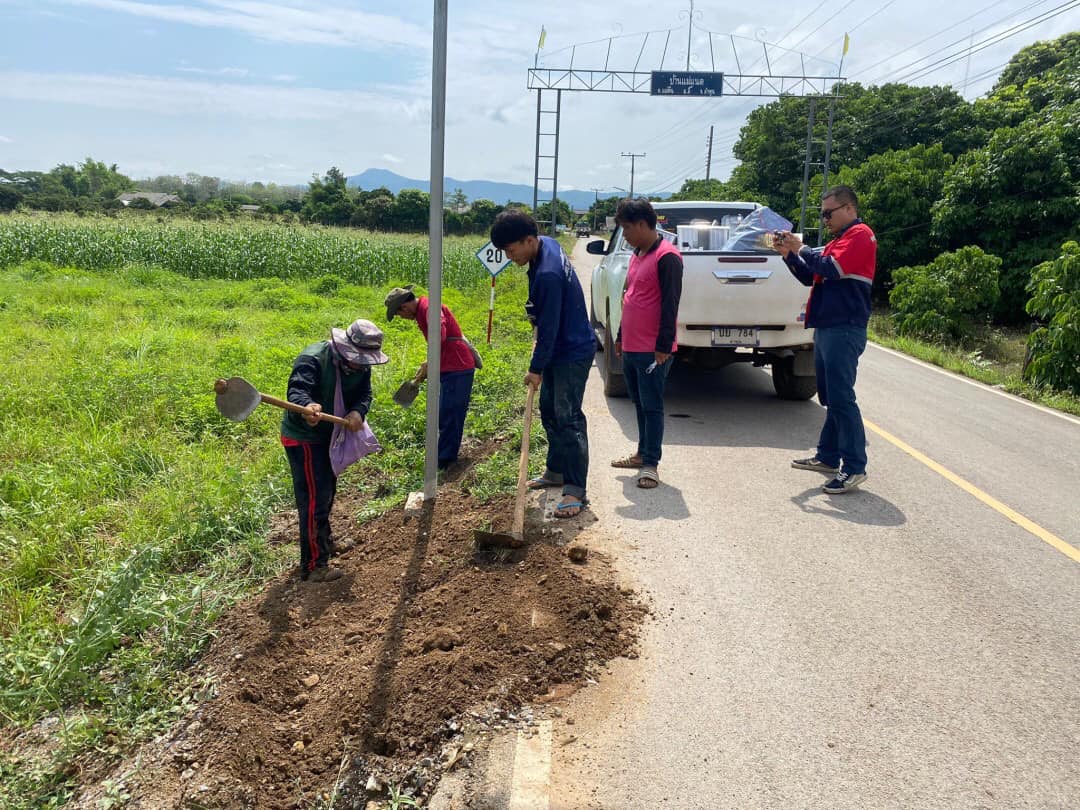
<point x="994" y="356"/>
<point x="132" y="514"/>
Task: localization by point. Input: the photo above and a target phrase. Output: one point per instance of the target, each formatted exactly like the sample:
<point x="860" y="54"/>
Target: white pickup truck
<point x="736" y="306"/>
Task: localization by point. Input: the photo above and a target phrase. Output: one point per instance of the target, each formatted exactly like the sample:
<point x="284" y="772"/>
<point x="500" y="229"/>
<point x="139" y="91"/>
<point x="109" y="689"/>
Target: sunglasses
<point x="828" y="212"/>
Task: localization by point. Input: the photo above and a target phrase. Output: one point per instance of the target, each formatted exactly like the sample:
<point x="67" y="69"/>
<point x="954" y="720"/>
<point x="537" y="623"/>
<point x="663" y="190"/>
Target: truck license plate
<point x="734" y="336"/>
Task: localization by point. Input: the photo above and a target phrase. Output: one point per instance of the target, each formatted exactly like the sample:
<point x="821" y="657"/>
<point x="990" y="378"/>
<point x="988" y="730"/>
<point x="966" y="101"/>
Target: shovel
<point x="237" y="398"/>
<point x="408" y="390"/>
<point x="515" y="538"/>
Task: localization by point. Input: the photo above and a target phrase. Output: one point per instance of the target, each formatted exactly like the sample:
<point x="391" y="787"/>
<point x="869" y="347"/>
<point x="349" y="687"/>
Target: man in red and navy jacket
<point x="840" y="279"/>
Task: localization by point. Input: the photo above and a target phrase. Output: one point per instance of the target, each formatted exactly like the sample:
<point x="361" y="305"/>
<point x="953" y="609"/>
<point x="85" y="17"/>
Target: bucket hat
<point x="360" y="344"/>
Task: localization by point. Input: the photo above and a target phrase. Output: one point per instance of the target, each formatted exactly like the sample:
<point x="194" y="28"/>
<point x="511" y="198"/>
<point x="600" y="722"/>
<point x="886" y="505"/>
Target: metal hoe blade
<point x="239" y="399"/>
<point x="405" y="395"/>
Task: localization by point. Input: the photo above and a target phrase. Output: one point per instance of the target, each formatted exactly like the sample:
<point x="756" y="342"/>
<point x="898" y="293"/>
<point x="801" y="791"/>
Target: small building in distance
<point x="155" y="198"/>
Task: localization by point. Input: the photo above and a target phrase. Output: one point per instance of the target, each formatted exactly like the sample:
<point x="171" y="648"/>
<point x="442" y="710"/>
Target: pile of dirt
<point x="322" y="684"/>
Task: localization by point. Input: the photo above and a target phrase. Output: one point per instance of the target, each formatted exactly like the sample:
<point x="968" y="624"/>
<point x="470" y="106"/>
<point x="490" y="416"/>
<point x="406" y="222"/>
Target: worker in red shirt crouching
<point x="458" y="361"/>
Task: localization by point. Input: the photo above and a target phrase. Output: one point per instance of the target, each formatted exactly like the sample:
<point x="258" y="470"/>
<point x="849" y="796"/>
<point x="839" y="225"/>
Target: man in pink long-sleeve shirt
<point x="646" y="339"/>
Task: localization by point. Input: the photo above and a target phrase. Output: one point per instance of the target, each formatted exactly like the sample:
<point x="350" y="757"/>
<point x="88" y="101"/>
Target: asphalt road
<point x="907" y="645"/>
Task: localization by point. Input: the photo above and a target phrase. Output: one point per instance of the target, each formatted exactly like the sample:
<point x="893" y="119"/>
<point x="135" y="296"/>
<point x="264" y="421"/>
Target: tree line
<point x="94" y="187"/>
<point x="935" y="173"/>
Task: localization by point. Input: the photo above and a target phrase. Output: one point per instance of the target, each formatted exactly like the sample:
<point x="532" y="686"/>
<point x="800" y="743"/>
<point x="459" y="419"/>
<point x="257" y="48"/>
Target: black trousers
<point x="314" y="485"/>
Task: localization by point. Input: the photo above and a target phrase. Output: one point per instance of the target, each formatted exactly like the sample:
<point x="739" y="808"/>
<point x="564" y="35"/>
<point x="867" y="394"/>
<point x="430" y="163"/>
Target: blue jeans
<point x="836" y="360"/>
<point x="455" y="390"/>
<point x="561" y="394"/>
<point x="647" y="392"/>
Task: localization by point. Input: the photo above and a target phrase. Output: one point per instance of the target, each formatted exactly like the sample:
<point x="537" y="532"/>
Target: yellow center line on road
<point x="1028" y="525"/>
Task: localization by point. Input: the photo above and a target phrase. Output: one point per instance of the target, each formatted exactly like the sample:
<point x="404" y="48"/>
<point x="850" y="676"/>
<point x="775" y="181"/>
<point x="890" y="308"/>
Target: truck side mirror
<point x="596" y="247"/>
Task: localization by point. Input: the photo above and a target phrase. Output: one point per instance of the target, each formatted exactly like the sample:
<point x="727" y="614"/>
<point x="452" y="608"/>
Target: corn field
<point x="235" y="250"/>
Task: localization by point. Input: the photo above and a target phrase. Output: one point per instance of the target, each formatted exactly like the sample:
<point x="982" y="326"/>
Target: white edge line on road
<point x="980" y="385"/>
<point x="531" y="779"/>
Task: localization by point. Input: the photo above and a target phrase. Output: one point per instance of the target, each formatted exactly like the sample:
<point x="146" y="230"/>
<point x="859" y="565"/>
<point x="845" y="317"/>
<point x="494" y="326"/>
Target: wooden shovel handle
<point x="292" y="406"/>
<point x="518" y="526"/>
<point x="222" y="385"/>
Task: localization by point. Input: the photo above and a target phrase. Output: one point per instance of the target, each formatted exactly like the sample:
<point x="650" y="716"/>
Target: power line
<point x="828" y="19"/>
<point x="995" y="39"/>
<point x="943" y="48"/>
<point x="978" y="13"/>
<point x="945" y="62"/>
<point x="857" y="26"/>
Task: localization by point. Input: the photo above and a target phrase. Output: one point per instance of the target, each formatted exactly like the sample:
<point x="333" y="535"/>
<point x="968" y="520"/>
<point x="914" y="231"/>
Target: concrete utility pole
<point x="633" y="158"/>
<point x="435" y="236"/>
<point x="708" y="158"/>
<point x="596" y="195"/>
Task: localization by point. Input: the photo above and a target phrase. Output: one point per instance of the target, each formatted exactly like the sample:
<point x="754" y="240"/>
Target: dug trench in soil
<point x="320" y="685"/>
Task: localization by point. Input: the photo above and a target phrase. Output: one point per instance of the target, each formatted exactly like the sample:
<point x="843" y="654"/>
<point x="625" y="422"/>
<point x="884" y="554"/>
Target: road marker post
<point x="494" y="261"/>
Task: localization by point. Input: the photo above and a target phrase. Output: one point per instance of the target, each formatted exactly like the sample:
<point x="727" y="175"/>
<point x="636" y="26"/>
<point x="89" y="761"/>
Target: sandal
<point x="542" y="483"/>
<point x="628" y="463"/>
<point x="648" y="478"/>
<point x="559" y="513"/>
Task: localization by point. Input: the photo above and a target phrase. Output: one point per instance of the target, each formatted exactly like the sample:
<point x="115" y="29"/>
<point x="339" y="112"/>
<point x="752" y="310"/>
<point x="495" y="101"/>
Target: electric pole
<point x="708" y="159"/>
<point x="596" y="207"/>
<point x="633" y="157"/>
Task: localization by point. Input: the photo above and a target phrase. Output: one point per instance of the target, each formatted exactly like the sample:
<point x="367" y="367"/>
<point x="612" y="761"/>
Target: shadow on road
<point x="730" y="407"/>
<point x="665" y="501"/>
<point x="861" y="506"/>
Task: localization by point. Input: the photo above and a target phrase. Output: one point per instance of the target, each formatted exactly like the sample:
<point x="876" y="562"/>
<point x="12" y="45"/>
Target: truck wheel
<point x="790" y="385"/>
<point x="611" y="368"/>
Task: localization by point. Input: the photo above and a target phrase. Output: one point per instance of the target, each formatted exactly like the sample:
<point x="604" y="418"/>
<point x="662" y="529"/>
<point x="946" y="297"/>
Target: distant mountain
<point x="473" y="189"/>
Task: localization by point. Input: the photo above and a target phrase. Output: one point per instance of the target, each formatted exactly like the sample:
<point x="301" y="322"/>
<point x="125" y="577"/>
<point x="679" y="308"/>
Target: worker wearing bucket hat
<point x="344" y="360"/>
<point x="459" y="361"/>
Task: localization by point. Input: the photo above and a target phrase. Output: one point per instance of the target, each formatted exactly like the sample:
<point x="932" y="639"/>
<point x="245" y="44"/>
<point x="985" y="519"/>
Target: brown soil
<point x="320" y="685"/>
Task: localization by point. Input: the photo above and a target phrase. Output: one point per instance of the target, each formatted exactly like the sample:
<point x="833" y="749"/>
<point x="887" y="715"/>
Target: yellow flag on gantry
<point x="543" y="36"/>
<point x="847" y="42"/>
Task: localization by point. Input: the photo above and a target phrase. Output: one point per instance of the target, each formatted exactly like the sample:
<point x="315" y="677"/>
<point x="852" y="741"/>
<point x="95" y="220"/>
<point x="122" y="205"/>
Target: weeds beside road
<point x="132" y="514"/>
<point x="995" y="356"/>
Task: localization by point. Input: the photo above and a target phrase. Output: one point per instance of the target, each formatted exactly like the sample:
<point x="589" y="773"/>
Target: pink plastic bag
<point x="346" y="446"/>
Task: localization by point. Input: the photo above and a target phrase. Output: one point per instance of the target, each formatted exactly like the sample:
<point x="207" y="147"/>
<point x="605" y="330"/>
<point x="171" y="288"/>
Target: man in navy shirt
<point x="840" y="279"/>
<point x="562" y="357"/>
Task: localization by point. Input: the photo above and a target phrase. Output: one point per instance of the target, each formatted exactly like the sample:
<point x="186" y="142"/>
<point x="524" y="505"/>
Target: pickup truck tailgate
<point x="730" y="290"/>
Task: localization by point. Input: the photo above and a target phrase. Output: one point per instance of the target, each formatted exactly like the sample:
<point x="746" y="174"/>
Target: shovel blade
<point x="485" y="539"/>
<point x="406" y="394"/>
<point x="239" y="399"/>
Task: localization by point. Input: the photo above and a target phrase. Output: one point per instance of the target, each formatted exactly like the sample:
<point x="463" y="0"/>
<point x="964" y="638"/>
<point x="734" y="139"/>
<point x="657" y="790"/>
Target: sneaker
<point x="814" y="464"/>
<point x="844" y="482"/>
<point x="325" y="574"/>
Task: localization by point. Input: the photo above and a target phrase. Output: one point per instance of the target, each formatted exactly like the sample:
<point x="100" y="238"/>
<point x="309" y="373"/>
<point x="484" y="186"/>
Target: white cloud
<point x="321" y="24"/>
<point x="284" y="77"/>
<point x="5" y="139"/>
<point x="392" y="158"/>
<point x="183" y="97"/>
<point x="238" y="73"/>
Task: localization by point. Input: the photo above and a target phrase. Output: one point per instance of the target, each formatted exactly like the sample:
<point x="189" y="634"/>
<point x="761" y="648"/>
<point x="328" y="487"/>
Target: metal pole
<point x="806" y="163"/>
<point x="555" y="173"/>
<point x="708" y="159"/>
<point x="689" y="34"/>
<point x="633" y="160"/>
<point x="435" y="239"/>
<point x="536" y="172"/>
<point x="828" y="154"/>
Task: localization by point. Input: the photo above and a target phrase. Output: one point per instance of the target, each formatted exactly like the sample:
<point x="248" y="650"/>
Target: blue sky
<point x="275" y="90"/>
